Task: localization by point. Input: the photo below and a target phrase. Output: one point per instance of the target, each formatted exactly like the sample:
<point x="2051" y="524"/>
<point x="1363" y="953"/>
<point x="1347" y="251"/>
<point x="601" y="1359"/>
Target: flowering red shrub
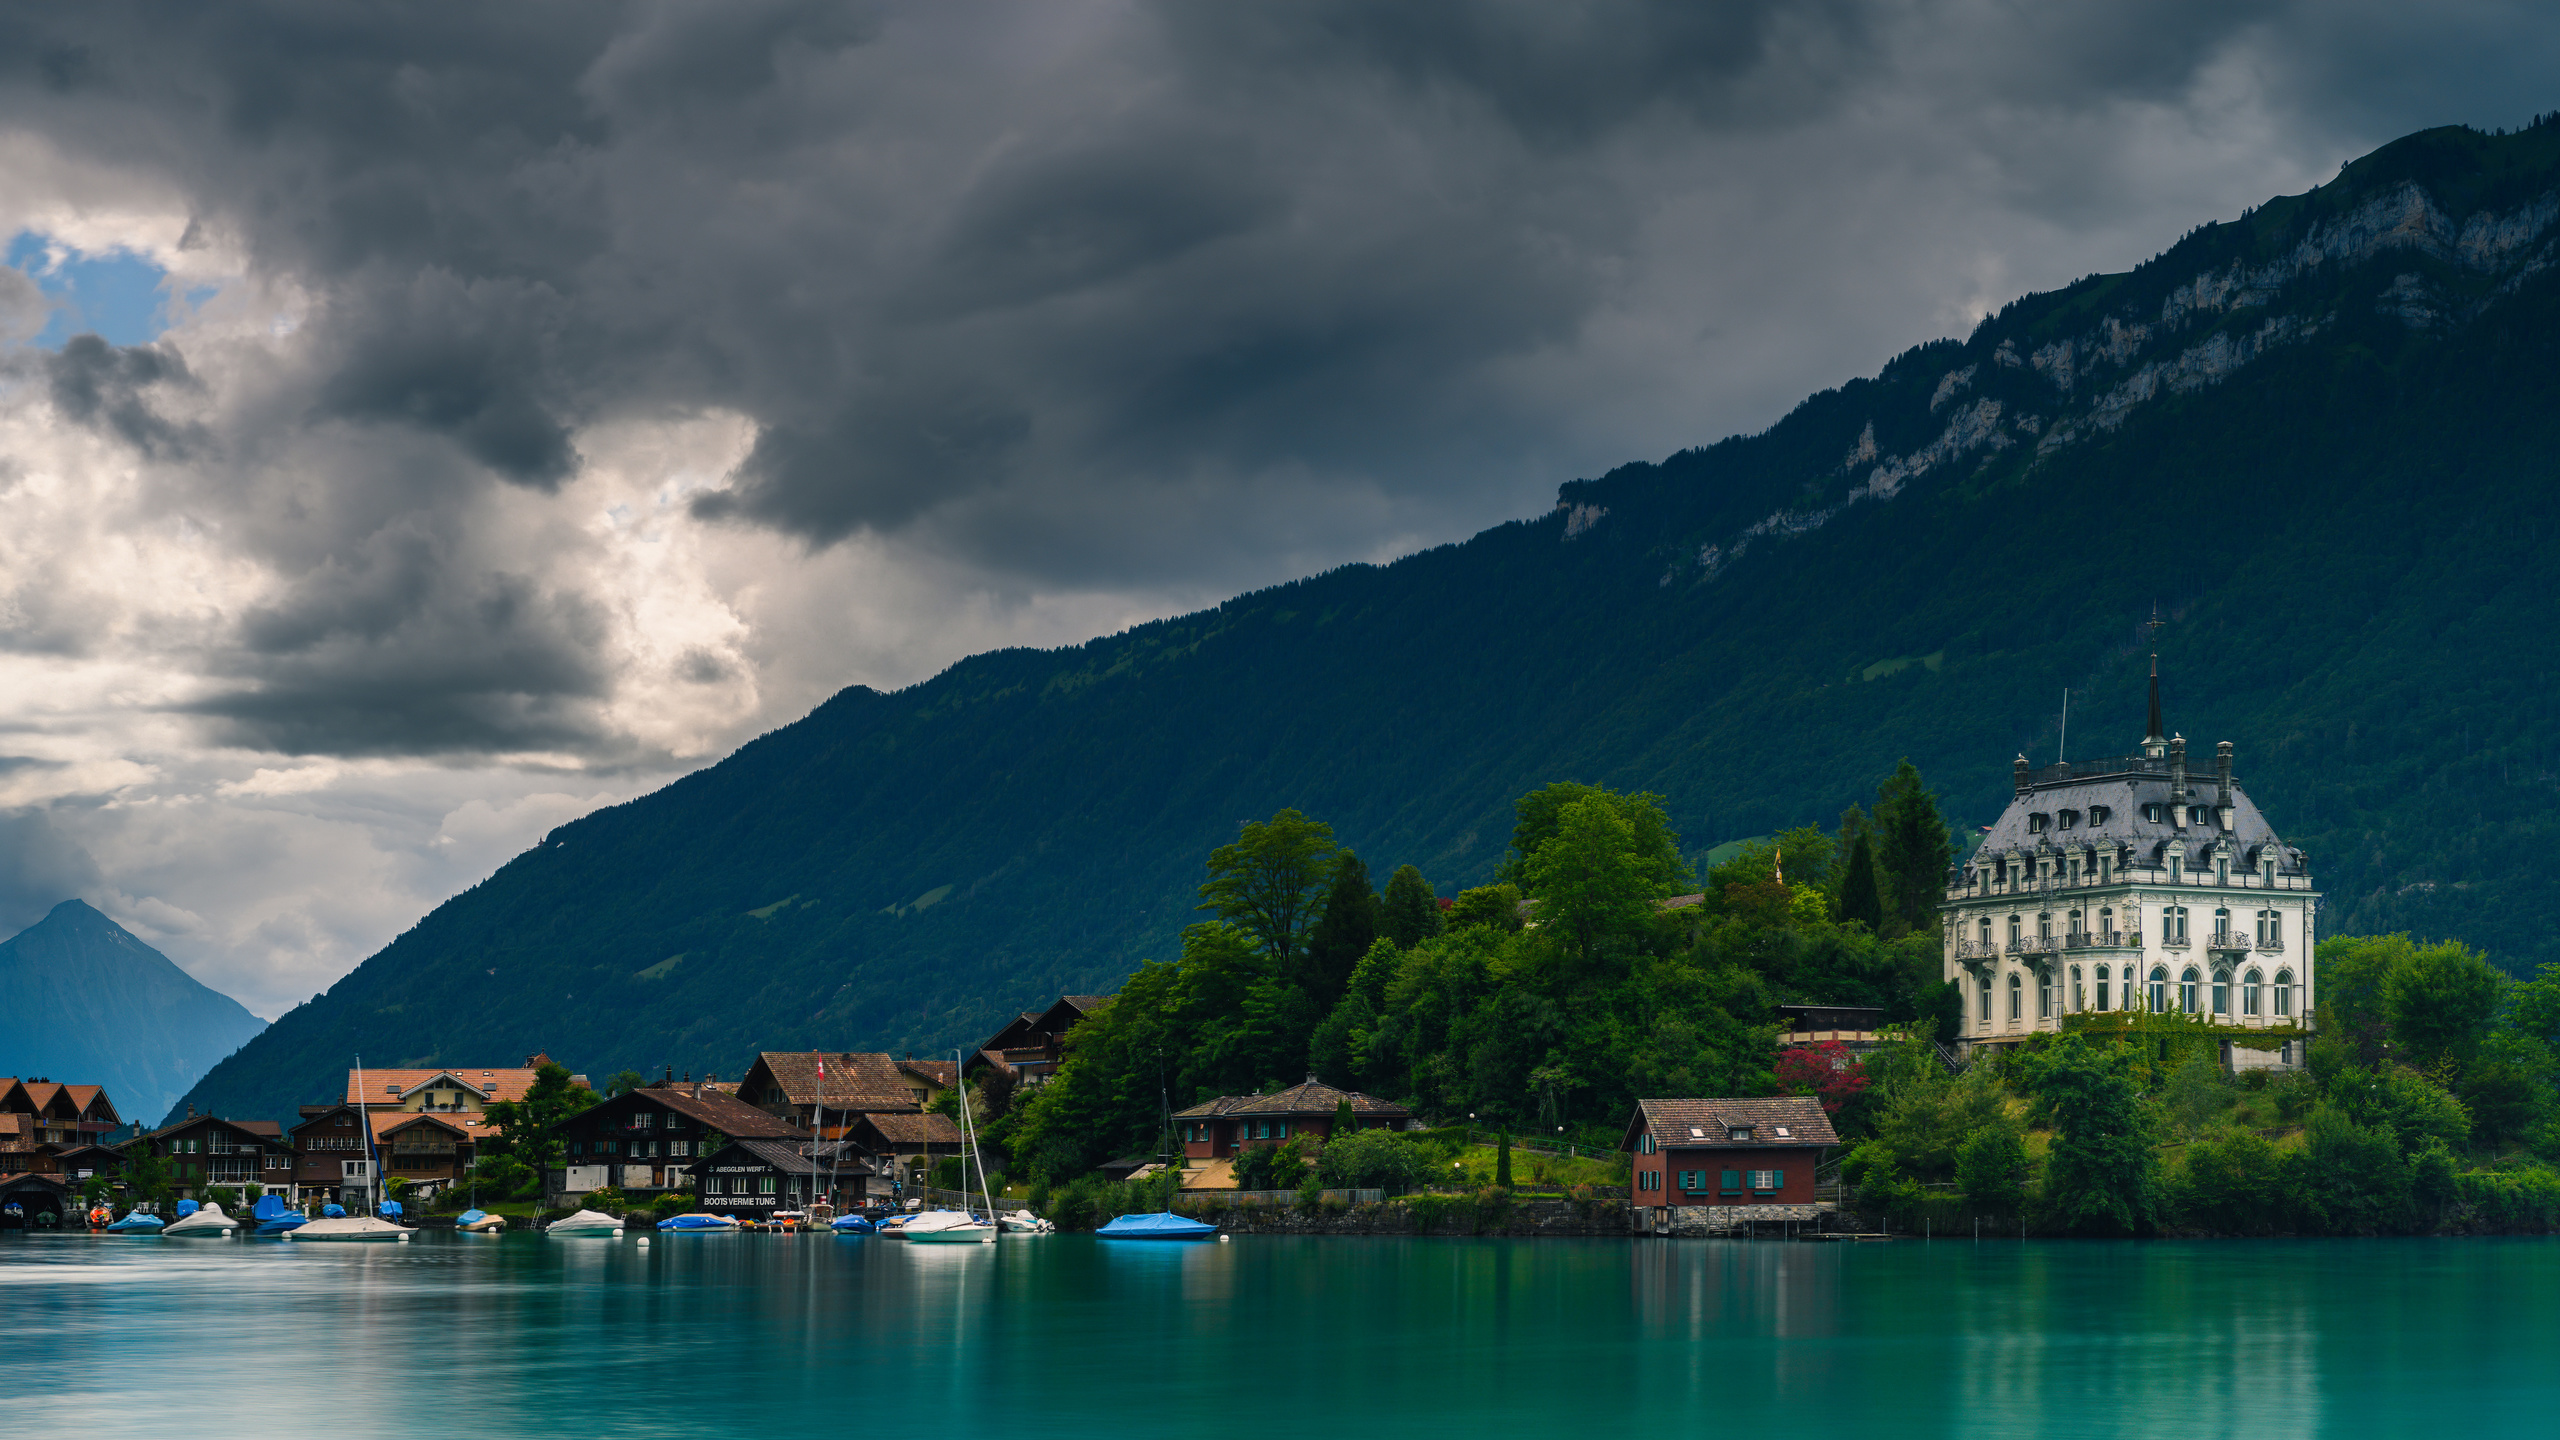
<point x="1827" y="1070"/>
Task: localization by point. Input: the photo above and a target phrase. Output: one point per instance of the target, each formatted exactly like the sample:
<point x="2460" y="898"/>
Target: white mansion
<point x="2131" y="884"/>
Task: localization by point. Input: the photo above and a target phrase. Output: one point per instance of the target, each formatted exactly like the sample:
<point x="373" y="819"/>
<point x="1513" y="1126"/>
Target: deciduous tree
<point x="1270" y="881"/>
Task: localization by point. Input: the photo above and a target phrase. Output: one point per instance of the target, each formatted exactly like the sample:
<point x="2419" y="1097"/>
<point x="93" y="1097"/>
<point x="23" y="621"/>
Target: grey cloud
<point x="40" y="867"/>
<point x="105" y="387"/>
<point x="1159" y="297"/>
<point x="397" y="649"/>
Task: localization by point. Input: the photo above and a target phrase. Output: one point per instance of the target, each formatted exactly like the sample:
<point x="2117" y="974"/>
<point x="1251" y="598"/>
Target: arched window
<point x="1986" y="1001"/>
<point x="2221" y="992"/>
<point x="2187" y="990"/>
<point x="2284" y="992"/>
<point x="2017" y="996"/>
<point x="2159" y="987"/>
<point x="2079" y="990"/>
<point x="2044" y="996"/>
<point x="2250" y="984"/>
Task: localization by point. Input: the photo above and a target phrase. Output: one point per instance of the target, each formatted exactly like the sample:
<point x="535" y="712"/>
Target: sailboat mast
<point x="364" y="1123"/>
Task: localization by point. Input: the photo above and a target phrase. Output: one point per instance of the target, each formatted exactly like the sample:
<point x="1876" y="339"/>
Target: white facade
<point x="2131" y="884"/>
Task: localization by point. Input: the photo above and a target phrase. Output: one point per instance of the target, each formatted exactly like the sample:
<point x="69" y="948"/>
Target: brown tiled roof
<point x="936" y="1071"/>
<point x="466" y="1126"/>
<point x="910" y="1128"/>
<point x="856" y="1080"/>
<point x="1702" y="1124"/>
<point x="383" y="1086"/>
<point x="1314" y="1097"/>
<point x="718" y="1110"/>
<point x="268" y="1128"/>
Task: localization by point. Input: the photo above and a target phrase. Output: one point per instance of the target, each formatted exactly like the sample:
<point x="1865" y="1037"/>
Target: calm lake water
<point x="1067" y="1336"/>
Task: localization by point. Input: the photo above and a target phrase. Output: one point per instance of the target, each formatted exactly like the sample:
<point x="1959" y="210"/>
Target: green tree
<point x="1502" y="1161"/>
<point x="2534" y="1005"/>
<point x="524" y="1126"/>
<point x="2352" y="973"/>
<point x="1410" y="913"/>
<point x="1991" y="1166"/>
<point x="2100" y="1177"/>
<point x="1596" y="878"/>
<point x="1541" y="818"/>
<point x="147" y="1177"/>
<point x="1913" y="848"/>
<point x="1343" y="933"/>
<point x="1861" y="899"/>
<point x="623" y="1083"/>
<point x="1270" y="881"/>
<point x="2441" y="1000"/>
<point x="2232" y="1184"/>
<point x="1496" y="907"/>
<point x="1345" y="1119"/>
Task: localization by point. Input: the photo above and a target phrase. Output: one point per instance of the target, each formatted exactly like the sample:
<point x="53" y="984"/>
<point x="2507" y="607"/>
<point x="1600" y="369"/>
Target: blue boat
<point x="851" y="1225"/>
<point x="187" y="1208"/>
<point x="137" y="1223"/>
<point x="697" y="1224"/>
<point x="333" y="1212"/>
<point x="274" y="1217"/>
<point x="476" y="1221"/>
<point x="1156" y="1227"/>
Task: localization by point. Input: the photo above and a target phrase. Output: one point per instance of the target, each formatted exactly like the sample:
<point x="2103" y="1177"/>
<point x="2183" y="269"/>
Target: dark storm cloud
<point x="1073" y="294"/>
<point x="40" y="867"/>
<point x="108" y="388"/>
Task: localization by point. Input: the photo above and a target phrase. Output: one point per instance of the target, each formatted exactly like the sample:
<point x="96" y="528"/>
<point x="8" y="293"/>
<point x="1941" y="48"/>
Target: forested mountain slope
<point x="89" y="1004"/>
<point x="2321" y="439"/>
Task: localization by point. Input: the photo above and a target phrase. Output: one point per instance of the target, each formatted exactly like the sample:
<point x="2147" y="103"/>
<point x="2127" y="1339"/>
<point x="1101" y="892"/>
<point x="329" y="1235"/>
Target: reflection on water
<point x="1069" y="1336"/>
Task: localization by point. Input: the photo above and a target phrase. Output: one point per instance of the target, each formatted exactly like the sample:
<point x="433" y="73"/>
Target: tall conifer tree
<point x="1861" y="898"/>
<point x="1342" y="934"/>
<point x="1411" y="912"/>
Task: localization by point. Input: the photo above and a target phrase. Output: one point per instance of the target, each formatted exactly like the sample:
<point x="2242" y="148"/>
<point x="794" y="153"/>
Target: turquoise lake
<point x="1069" y="1336"/>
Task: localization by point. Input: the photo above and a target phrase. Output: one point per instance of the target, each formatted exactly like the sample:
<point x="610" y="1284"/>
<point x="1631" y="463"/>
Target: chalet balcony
<point x="2102" y="940"/>
<point x="1977" y="950"/>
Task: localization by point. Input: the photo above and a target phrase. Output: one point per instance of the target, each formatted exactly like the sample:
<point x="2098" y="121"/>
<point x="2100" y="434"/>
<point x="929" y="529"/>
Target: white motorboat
<point x="1023" y="1222"/>
<point x="927" y="1223"/>
<point x="479" y="1222"/>
<point x="349" y="1228"/>
<point x="208" y="1220"/>
<point x="584" y="1223"/>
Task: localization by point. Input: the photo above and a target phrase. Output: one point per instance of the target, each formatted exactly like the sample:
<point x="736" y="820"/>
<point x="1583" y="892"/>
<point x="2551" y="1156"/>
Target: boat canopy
<point x="468" y="1216"/>
<point x="270" y="1207"/>
<point x="186" y="1208"/>
<point x="333" y="1212"/>
<point x="1157" y="1227"/>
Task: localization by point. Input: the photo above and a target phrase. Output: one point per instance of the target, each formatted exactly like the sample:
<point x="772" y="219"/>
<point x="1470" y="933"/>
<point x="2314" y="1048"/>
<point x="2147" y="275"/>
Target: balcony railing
<point x="1977" y="950"/>
<point x="2230" y="940"/>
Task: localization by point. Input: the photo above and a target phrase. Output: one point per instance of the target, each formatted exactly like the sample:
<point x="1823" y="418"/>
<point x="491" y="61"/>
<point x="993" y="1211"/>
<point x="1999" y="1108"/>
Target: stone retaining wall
<point x="1690" y="1221"/>
<point x="1456" y="1216"/>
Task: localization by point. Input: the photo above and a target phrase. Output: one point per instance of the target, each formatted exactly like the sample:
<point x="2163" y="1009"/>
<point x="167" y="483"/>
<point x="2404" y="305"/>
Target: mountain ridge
<point x="90" y="1003"/>
<point x="2317" y="437"/>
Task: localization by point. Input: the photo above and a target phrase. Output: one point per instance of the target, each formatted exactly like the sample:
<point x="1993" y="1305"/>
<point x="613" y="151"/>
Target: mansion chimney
<point x="2177" y="767"/>
<point x="2019" y="771"/>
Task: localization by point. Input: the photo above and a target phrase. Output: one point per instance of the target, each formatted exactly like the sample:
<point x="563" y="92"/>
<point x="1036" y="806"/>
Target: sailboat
<point x="969" y="1230"/>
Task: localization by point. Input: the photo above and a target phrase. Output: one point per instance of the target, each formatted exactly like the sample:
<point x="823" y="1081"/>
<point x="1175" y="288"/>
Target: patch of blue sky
<point x="115" y="294"/>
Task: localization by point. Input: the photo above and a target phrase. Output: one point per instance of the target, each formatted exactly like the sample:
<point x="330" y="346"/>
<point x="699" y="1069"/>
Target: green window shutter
<point x="1733" y="1180"/>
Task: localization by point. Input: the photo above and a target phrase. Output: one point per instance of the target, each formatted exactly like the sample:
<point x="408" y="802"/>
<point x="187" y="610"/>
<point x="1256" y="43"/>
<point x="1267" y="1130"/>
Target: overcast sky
<point x="504" y="408"/>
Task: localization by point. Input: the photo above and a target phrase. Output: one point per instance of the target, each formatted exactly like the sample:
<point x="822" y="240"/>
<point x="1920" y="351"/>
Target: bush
<point x="1372" y="1159"/>
<point x="674" y="1202"/>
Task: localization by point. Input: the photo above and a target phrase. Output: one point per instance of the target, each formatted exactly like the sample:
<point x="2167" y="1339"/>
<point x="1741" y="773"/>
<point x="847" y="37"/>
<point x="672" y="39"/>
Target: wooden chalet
<point x="331" y="1160"/>
<point x="754" y="1177"/>
<point x="794" y="1085"/>
<point x="429" y="1124"/>
<point x="897" y="1143"/>
<point x="1219" y="1129"/>
<point x="1033" y="1043"/>
<point x="58" y="1114"/>
<point x="206" y="1151"/>
<point x="1750" y="1150"/>
<point x="650" y="1140"/>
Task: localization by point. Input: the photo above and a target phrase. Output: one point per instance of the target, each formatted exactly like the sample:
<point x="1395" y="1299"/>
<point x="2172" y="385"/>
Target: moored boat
<point x="137" y="1223"/>
<point x="698" y="1224"/>
<point x="208" y="1220"/>
<point x="1023" y="1222"/>
<point x="590" y="1223"/>
<point x="348" y="1228"/>
<point x="1156" y="1227"/>
<point x="851" y="1225"/>
<point x="479" y="1222"/>
<point x="274" y="1217"/>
